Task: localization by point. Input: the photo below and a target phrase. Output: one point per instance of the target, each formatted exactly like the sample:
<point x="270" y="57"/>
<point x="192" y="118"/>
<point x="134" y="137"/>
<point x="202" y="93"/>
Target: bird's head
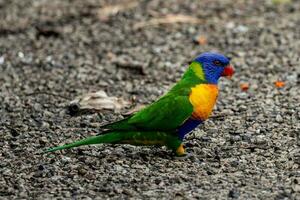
<point x="214" y="65"/>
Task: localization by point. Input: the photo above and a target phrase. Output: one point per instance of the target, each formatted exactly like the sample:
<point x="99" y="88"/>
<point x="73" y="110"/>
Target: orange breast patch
<point x="203" y="98"/>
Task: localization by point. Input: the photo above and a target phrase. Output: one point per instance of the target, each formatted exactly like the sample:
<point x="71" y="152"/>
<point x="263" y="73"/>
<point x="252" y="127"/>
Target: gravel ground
<point x="53" y="51"/>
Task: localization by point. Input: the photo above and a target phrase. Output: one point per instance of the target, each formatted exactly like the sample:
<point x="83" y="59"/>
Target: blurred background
<point x="53" y="51"/>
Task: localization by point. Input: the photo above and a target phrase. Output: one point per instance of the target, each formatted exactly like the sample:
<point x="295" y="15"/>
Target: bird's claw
<point x="180" y="151"/>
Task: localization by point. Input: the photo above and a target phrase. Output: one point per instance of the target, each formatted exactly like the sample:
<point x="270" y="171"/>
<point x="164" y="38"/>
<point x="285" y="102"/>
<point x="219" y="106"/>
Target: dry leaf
<point x="168" y="19"/>
<point x="279" y="84"/>
<point x="244" y="86"/>
<point x="134" y="110"/>
<point x="98" y="101"/>
<point x="202" y="40"/>
<point x="110" y="10"/>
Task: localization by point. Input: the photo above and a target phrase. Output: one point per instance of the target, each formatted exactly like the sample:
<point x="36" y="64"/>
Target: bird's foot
<point x="180" y="151"/>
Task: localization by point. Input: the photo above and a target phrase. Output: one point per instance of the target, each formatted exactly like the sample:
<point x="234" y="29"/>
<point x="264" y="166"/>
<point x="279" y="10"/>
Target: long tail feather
<point x="131" y="137"/>
<point x="112" y="137"/>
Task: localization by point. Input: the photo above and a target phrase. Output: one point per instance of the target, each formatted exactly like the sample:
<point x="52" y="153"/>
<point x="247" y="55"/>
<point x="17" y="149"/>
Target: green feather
<point x="105" y="138"/>
<point x="155" y="124"/>
<point x="132" y="137"/>
<point x="167" y="113"/>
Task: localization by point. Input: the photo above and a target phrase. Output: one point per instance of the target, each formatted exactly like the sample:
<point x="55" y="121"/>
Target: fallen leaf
<point x="279" y="84"/>
<point x="202" y="40"/>
<point x="110" y="10"/>
<point x="244" y="86"/>
<point x="168" y="19"/>
<point x="111" y="56"/>
<point x="134" y="110"/>
<point x="98" y="101"/>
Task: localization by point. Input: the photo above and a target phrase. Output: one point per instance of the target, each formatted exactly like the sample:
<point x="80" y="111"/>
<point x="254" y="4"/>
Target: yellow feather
<point x="196" y="67"/>
<point x="203" y="98"/>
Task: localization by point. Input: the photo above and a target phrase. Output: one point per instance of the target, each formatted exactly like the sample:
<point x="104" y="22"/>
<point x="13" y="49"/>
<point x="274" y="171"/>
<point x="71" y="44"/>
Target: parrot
<point x="177" y="113"/>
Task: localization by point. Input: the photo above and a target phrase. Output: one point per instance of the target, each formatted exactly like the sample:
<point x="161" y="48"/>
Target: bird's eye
<point x="217" y="63"/>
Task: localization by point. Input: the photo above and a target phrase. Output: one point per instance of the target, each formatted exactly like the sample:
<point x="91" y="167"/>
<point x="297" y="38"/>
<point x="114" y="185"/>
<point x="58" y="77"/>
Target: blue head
<point x="214" y="65"/>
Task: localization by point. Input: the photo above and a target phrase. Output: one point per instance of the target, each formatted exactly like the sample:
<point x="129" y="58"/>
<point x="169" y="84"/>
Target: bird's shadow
<point x="142" y="154"/>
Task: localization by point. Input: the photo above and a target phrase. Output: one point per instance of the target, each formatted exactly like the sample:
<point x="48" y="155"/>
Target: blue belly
<point x="187" y="127"/>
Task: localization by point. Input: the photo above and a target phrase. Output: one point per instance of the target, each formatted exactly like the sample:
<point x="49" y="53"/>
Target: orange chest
<point x="203" y="98"/>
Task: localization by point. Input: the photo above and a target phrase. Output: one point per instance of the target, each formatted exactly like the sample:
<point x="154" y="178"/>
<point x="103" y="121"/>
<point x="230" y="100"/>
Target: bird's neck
<point x="192" y="77"/>
<point x="195" y="70"/>
<point x="195" y="73"/>
<point x="189" y="80"/>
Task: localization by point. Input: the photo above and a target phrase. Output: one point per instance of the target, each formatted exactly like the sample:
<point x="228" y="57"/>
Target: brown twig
<point x="109" y="10"/>
<point x="168" y="19"/>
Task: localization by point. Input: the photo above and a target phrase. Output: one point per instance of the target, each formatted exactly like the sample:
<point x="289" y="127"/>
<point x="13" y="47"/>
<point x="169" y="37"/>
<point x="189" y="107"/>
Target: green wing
<point x="168" y="113"/>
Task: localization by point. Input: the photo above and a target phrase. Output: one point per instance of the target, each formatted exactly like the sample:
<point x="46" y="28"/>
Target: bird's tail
<point x="131" y="137"/>
<point x="112" y="137"/>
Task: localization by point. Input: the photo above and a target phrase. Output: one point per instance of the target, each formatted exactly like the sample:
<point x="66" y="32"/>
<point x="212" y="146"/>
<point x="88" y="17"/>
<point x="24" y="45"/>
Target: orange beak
<point x="228" y="71"/>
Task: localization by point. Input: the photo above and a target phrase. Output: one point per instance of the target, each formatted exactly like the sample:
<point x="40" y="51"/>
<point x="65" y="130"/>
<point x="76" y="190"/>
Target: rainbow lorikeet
<point x="167" y="121"/>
